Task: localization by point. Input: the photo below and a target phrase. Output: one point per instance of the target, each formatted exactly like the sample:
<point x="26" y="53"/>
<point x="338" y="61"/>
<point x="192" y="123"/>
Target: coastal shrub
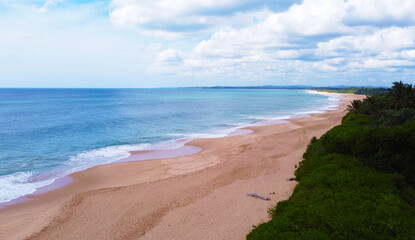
<point x="388" y="149"/>
<point x="387" y="118"/>
<point x="312" y="147"/>
<point x="342" y="138"/>
<point x="362" y="120"/>
<point x="340" y="199"/>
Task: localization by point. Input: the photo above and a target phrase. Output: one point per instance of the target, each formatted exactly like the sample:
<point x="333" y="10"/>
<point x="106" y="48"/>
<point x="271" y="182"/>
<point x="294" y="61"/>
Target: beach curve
<point x="200" y="196"/>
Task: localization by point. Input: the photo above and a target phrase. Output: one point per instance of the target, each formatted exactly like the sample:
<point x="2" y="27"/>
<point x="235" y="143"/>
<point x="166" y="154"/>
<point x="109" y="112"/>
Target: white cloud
<point x="173" y="19"/>
<point x="387" y="39"/>
<point x="315" y="17"/>
<point x="309" y="38"/>
<point x="166" y="15"/>
<point x="168" y="61"/>
<point x="380" y="12"/>
<point x="376" y="63"/>
<point x="170" y="55"/>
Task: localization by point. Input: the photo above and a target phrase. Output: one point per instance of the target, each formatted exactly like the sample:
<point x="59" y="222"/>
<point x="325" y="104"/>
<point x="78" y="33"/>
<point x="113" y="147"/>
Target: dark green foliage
<point x="339" y="198"/>
<point x="311" y="144"/>
<point x="386" y="118"/>
<point x="357" y="181"/>
<point x="363" y="120"/>
<point x="395" y="107"/>
<point x="373" y="104"/>
<point x="389" y="149"/>
<point x="354" y="107"/>
<point x="370" y="91"/>
<point x="401" y="95"/>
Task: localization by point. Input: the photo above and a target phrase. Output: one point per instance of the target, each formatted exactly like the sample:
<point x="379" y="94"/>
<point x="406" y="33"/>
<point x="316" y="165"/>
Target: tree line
<point x="392" y="108"/>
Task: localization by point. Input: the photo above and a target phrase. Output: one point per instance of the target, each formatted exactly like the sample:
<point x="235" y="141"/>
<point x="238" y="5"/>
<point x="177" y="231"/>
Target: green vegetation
<point x="355" y="90"/>
<point x="357" y="181"/>
<point x="338" y="90"/>
<point x="354" y="107"/>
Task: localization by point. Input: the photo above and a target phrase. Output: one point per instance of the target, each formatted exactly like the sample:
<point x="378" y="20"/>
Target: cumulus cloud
<point x="316" y="36"/>
<point x="168" y="61"/>
<point x="380" y="13"/>
<point x="381" y="40"/>
<point x="170" y="55"/>
<point x="169" y="18"/>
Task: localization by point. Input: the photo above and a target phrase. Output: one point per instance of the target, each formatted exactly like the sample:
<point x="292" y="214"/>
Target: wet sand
<point x="198" y="196"/>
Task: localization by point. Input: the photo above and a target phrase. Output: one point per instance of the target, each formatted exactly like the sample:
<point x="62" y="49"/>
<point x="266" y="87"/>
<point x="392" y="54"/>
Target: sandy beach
<point x="197" y="196"/>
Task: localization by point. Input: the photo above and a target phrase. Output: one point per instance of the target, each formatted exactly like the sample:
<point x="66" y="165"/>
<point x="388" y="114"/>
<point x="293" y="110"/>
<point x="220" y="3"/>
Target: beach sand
<point x="199" y="196"/>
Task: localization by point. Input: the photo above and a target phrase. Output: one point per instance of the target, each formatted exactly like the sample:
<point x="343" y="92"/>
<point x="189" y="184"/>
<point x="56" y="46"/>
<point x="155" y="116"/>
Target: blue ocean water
<point x="49" y="133"/>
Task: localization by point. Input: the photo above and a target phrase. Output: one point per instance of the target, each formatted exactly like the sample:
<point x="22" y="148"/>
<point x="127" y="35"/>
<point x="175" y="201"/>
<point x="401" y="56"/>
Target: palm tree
<point x="397" y="94"/>
<point x="354" y="107"/>
<point x="410" y="96"/>
<point x="372" y="103"/>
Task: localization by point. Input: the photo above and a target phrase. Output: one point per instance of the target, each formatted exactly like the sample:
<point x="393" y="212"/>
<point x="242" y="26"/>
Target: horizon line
<point x="218" y="86"/>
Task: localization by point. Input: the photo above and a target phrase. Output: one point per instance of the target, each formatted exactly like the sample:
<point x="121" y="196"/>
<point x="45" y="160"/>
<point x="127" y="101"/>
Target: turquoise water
<point x="49" y="133"/>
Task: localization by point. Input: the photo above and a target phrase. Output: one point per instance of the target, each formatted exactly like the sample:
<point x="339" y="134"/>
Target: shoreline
<point x="169" y="148"/>
<point x="138" y="174"/>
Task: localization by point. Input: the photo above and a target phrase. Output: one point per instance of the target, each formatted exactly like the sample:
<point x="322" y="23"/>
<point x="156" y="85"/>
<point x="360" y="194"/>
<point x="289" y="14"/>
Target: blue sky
<point x="168" y="43"/>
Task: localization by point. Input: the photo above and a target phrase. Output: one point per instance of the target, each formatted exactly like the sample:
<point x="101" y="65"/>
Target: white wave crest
<point x="104" y="155"/>
<point x="18" y="184"/>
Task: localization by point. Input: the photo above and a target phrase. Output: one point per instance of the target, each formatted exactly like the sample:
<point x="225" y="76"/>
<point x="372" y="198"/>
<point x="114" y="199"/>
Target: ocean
<point x="49" y="133"/>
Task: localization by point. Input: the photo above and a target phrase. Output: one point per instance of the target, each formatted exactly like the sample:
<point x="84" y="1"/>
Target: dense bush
<point x="388" y="149"/>
<point x="386" y="118"/>
<point x="395" y="107"/>
<point x="339" y="198"/>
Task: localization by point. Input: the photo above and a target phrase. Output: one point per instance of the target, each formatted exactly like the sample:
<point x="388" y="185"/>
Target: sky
<point x="176" y="43"/>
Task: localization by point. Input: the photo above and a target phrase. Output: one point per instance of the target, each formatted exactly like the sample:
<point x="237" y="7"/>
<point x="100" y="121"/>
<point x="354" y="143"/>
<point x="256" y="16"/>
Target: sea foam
<point x="87" y="159"/>
<point x="18" y="184"/>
